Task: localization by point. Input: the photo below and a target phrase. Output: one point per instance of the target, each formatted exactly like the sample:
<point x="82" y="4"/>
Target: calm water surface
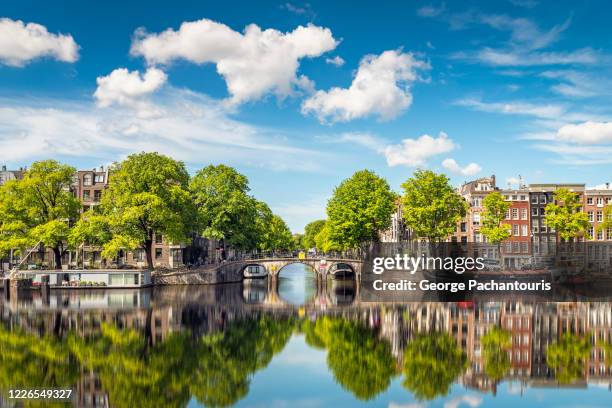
<point x="253" y="346"/>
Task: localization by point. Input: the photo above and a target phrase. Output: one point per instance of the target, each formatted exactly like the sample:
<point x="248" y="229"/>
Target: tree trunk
<point x="58" y="257"/>
<point x="148" y="247"/>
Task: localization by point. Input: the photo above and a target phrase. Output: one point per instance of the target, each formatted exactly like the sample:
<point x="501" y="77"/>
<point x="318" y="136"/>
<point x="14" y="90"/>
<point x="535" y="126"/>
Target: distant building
<point x="517" y="248"/>
<point x="474" y="193"/>
<point x="7" y="175"/>
<point x="596" y="200"/>
<point x="398" y="231"/>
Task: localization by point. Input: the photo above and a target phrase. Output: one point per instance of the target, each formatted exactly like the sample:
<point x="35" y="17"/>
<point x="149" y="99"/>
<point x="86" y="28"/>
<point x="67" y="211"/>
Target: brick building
<point x="517" y="248"/>
<point x="474" y="193"/>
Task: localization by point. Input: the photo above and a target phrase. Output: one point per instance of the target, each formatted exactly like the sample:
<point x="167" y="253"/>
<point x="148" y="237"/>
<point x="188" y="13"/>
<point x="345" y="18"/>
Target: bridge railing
<point x="348" y="255"/>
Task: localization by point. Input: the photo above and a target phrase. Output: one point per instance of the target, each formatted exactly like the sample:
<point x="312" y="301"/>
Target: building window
<point x="524" y="230"/>
<point x="87" y="180"/>
<point x="86" y="195"/>
<point x="515" y="230"/>
<point x="508" y="214"/>
<point x="590" y="231"/>
<point x="139" y="255"/>
<point x="515" y="213"/>
<point x="599" y="235"/>
<point x="97" y="195"/>
<point x="599" y="216"/>
<point x="99" y="178"/>
<point x="543" y="199"/>
<point x="476" y="219"/>
<point x="534" y="199"/>
<point x="609" y="233"/>
<point x="158" y="253"/>
<point x="599" y="201"/>
<point x="534" y="227"/>
<point x="544" y="228"/>
<point x="158" y="238"/>
<point x="542" y="211"/>
<point x="514" y="198"/>
<point x="476" y="202"/>
<point x="523" y="213"/>
<point x="590" y="200"/>
<point x="522" y="198"/>
<point x="590" y="216"/>
<point x="463" y="227"/>
<point x="534" y="212"/>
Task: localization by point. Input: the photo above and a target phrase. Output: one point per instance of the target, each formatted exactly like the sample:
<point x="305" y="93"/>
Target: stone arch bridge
<point x="322" y="267"/>
<point x="233" y="271"/>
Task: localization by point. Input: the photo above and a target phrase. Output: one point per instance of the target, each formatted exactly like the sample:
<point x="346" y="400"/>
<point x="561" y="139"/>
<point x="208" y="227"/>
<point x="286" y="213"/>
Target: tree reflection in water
<point x="496" y="344"/>
<point x="432" y="362"/>
<point x="210" y="353"/>
<point x="568" y="356"/>
<point x="360" y="362"/>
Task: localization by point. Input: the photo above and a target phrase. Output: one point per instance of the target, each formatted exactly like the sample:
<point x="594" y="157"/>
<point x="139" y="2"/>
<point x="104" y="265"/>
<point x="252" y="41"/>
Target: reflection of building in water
<point x="89" y="391"/>
<point x="517" y="319"/>
<point x="600" y="328"/>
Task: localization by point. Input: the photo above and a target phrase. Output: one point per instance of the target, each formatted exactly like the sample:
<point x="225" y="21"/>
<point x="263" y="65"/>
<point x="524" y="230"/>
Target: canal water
<point x="297" y="284"/>
<point x="250" y="346"/>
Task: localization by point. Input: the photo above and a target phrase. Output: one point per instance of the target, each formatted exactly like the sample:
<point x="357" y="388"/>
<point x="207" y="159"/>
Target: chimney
<point x="607" y="185"/>
<point x="493" y="180"/>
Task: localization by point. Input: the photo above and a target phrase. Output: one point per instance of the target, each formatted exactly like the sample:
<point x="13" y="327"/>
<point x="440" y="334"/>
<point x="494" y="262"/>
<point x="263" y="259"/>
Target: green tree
<point x="360" y="362"/>
<point x="360" y="207"/>
<point x="432" y="362"/>
<point x="431" y="206"/>
<point x="147" y="195"/>
<point x="39" y="207"/>
<point x="565" y="217"/>
<point x="276" y="235"/>
<point x="606" y="225"/>
<point x="226" y="210"/>
<point x="495" y="345"/>
<point x="323" y="241"/>
<point x="310" y="232"/>
<point x="492" y="219"/>
<point x="567" y="357"/>
<point x="298" y="241"/>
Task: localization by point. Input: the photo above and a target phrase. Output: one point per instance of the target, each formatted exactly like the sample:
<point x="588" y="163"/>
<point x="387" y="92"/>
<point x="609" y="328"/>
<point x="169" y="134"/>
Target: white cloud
<point x="454" y="167"/>
<point x="380" y="87"/>
<point x="517" y="58"/>
<point x="415" y="152"/>
<point x="472" y="400"/>
<point x="586" y="133"/>
<point x="512" y="180"/>
<point x="20" y="43"/>
<point x="337" y="61"/>
<point x="546" y="111"/>
<point x="253" y="63"/>
<point x="366" y="140"/>
<point x="431" y="10"/>
<point x="123" y="87"/>
<point x="190" y="127"/>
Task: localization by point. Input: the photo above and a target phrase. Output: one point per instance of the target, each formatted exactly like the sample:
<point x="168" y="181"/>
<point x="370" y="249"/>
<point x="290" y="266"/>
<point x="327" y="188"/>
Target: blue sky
<point x="300" y="95"/>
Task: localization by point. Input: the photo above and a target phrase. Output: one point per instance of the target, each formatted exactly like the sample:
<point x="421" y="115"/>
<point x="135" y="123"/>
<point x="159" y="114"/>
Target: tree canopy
<point x="431" y="207"/>
<point x="359" y="209"/>
<point x="493" y="216"/>
<point x="39" y="208"/>
<point x="565" y="217"/>
<point x="147" y="195"/>
<point x="225" y="209"/>
<point x="310" y="232"/>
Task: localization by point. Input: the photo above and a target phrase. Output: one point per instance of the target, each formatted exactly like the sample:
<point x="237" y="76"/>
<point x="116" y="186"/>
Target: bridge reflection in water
<point x="222" y="345"/>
